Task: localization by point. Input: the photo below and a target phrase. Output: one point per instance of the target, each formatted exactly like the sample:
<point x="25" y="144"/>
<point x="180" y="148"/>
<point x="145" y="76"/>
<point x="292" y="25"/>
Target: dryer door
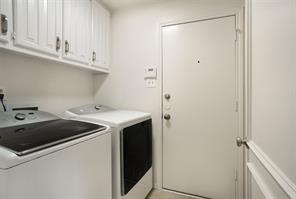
<point x="136" y="154"/>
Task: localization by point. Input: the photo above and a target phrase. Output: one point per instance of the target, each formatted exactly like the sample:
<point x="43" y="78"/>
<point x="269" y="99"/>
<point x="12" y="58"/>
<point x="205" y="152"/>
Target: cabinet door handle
<point x="94" y="56"/>
<point x="58" y="44"/>
<point x="67" y="46"/>
<point x="4" y="24"/>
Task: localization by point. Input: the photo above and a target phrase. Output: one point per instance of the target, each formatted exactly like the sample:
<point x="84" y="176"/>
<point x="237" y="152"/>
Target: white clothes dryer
<point x="131" y="147"/>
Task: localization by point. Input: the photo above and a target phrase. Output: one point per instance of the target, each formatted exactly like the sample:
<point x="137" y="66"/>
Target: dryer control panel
<point x="90" y="109"/>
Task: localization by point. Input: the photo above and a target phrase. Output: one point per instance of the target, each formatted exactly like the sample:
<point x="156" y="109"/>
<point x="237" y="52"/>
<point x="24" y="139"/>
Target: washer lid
<point x="29" y="138"/>
<point x="117" y="118"/>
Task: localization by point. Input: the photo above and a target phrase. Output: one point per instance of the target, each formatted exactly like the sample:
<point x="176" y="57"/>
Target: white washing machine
<point x="131" y="147"/>
<point x="45" y="157"/>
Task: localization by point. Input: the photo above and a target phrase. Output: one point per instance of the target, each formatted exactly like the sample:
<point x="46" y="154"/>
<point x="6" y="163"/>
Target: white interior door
<point x="199" y="74"/>
<point x="270" y="99"/>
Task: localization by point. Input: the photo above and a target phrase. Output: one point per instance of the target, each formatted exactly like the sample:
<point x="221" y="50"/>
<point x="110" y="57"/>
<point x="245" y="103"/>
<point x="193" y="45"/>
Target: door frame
<point x="252" y="173"/>
<point x="248" y="96"/>
<point x="240" y="93"/>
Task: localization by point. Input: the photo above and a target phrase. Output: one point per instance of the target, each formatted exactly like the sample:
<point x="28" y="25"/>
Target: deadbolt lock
<point x="167" y="96"/>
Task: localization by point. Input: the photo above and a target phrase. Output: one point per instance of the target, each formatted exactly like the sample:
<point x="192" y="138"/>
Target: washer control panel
<point x="15" y="118"/>
<point x="20" y="116"/>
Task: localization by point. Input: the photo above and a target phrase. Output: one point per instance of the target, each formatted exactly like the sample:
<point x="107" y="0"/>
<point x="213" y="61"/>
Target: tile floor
<point x="159" y="194"/>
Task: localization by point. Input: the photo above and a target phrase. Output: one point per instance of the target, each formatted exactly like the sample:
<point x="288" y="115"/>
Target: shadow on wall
<point x="53" y="87"/>
<point x="99" y="82"/>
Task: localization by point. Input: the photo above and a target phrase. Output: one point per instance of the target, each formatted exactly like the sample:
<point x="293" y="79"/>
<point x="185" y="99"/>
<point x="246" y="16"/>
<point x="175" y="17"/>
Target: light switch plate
<point x="150" y="83"/>
<point x="151" y="72"/>
<point x="2" y="90"/>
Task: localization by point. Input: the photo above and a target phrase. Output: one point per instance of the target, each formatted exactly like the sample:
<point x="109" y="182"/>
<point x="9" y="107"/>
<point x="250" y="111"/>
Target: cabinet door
<point x="76" y="30"/>
<point x="38" y="25"/>
<point x="50" y="25"/>
<point x="5" y="21"/>
<point x="100" y="35"/>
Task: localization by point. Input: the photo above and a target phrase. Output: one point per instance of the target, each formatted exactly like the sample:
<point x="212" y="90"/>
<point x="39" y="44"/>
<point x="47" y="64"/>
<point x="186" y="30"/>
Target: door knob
<point x="167" y="116"/>
<point x="167" y="96"/>
<point x="240" y="142"/>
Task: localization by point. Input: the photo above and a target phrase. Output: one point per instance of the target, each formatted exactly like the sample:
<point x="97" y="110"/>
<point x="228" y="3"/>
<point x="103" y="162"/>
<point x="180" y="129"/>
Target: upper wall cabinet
<point x="77" y="30"/>
<point x="38" y="25"/>
<point x="5" y="21"/>
<point x="100" y="35"/>
<point x="74" y="32"/>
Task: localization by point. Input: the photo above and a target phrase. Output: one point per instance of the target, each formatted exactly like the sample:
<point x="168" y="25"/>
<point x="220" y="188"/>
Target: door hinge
<point x="236" y="175"/>
<point x="13" y="35"/>
<point x="236" y="106"/>
<point x="237" y="31"/>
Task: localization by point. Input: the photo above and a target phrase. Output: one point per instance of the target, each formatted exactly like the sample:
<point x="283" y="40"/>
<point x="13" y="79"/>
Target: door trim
<point x="248" y="97"/>
<point x="276" y="173"/>
<point x="240" y="76"/>
<point x="260" y="181"/>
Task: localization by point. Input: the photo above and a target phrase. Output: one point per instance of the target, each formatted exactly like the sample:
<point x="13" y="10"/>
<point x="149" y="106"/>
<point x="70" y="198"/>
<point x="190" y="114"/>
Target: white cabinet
<point x="38" y="25"/>
<point x="5" y="21"/>
<point x="77" y="30"/>
<point x="100" y="35"/>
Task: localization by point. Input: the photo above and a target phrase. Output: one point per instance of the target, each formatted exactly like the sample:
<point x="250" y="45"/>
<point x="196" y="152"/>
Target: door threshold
<point x="185" y="194"/>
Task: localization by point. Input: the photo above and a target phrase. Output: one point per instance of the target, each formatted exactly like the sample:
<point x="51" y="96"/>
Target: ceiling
<point x="116" y="4"/>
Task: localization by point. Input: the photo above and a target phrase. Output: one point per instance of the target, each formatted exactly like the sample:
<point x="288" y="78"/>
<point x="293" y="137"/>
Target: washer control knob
<point x="20" y="116"/>
<point x="98" y="107"/>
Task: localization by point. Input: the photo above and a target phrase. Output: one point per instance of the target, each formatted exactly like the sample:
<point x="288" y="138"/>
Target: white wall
<point x="136" y="45"/>
<point x="53" y="87"/>
<point x="273" y="63"/>
<point x="274" y="93"/>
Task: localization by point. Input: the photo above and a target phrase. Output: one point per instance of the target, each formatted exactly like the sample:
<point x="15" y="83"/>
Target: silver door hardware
<point x="58" y="44"/>
<point x="4" y="24"/>
<point x="240" y="142"/>
<point x="167" y="96"/>
<point x="94" y="56"/>
<point x="13" y="36"/>
<point x="67" y="46"/>
<point x="237" y="32"/>
<point x="167" y="116"/>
